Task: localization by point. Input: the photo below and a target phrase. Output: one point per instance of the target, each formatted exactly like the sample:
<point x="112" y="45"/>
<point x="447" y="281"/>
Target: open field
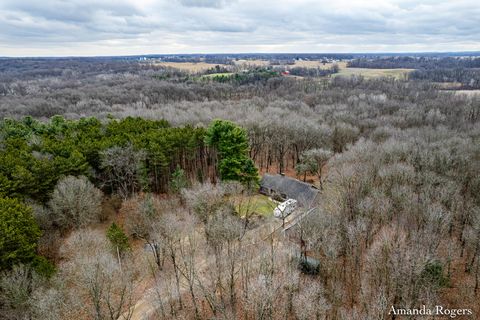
<point x="189" y="66"/>
<point x="318" y="64"/>
<point x="373" y="73"/>
<point x="255" y="63"/>
<point x="448" y="85"/>
<point x="469" y="93"/>
<point x="344" y="71"/>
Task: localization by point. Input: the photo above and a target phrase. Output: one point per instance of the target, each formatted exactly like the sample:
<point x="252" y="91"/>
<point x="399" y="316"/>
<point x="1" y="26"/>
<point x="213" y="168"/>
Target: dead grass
<point x="345" y="71"/>
<point x="470" y="93"/>
<point x="195" y="67"/>
<point x="447" y="85"/>
<point x="317" y="64"/>
<point x="374" y="73"/>
<point x="255" y="63"/>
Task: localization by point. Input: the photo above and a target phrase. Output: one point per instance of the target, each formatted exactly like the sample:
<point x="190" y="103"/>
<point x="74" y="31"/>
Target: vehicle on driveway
<point x="285" y="208"/>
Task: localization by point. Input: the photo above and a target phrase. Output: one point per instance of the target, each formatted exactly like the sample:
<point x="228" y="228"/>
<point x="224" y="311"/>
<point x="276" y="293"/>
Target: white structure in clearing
<point x="285" y="208"/>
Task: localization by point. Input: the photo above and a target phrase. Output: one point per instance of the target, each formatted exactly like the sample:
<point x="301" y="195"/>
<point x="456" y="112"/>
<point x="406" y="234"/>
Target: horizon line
<point x="246" y="53"/>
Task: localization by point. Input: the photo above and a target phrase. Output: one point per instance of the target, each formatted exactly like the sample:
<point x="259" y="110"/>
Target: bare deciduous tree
<point x="123" y="166"/>
<point x="75" y="202"/>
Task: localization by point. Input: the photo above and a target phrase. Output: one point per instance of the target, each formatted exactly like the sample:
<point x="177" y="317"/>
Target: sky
<point x="136" y="27"/>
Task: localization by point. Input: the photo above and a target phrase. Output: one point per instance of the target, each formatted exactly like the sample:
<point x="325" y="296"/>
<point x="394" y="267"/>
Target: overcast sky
<point x="126" y="27"/>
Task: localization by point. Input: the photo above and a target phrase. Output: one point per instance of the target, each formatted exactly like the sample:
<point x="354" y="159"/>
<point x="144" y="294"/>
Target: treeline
<point x="120" y="156"/>
<point x="123" y="156"/>
<point x="415" y="63"/>
<point x="34" y="68"/>
<point x="257" y="76"/>
<point x="468" y="78"/>
<point x="465" y="71"/>
<point x="313" y="72"/>
<point x="227" y="58"/>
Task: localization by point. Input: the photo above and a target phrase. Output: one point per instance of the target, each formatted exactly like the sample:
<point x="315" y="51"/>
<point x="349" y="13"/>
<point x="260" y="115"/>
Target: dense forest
<point x="126" y="156"/>
<point x="126" y="189"/>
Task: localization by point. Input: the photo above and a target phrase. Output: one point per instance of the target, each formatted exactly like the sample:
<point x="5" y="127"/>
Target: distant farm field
<point x="469" y="93"/>
<point x="373" y="73"/>
<point x="316" y="64"/>
<point x="345" y="71"/>
<point x="256" y="63"/>
<point x="189" y="66"/>
<point x="194" y="67"/>
<point x="448" y="85"/>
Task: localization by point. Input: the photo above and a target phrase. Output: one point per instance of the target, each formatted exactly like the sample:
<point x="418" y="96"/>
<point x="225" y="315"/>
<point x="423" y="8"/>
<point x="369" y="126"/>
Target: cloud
<point x="204" y="3"/>
<point x="106" y="27"/>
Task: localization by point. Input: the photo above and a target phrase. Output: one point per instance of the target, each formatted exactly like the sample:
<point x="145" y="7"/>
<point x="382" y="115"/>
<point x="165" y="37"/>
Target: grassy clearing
<point x="258" y="204"/>
<point x="374" y="73"/>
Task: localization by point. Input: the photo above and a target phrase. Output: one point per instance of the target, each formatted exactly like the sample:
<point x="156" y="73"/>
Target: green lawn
<point x="258" y="204"/>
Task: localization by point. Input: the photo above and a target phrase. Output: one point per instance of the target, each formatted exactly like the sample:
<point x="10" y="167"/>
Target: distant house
<point x="289" y="188"/>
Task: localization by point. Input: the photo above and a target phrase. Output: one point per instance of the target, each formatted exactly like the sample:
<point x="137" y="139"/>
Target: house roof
<point x="303" y="192"/>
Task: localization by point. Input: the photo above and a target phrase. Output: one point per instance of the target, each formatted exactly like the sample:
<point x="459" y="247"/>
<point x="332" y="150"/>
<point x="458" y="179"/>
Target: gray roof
<point x="303" y="192"/>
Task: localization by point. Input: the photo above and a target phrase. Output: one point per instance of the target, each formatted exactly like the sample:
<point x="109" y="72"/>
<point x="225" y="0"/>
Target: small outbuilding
<point x="280" y="186"/>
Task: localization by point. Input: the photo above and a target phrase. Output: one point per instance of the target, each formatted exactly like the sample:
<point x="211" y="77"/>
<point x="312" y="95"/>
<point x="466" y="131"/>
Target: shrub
<point x="433" y="274"/>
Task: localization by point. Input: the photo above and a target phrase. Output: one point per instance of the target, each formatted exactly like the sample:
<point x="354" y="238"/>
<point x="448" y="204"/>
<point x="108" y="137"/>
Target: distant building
<point x="289" y="188"/>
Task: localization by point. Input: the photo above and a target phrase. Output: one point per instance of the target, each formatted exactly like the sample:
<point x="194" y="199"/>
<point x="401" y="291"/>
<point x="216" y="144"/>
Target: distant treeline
<point x="33" y="68"/>
<point x="262" y="75"/>
<point x="469" y="78"/>
<point x="313" y="72"/>
<point x="255" y="76"/>
<point x="218" y="58"/>
<point x="449" y="69"/>
<point x="415" y="63"/>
